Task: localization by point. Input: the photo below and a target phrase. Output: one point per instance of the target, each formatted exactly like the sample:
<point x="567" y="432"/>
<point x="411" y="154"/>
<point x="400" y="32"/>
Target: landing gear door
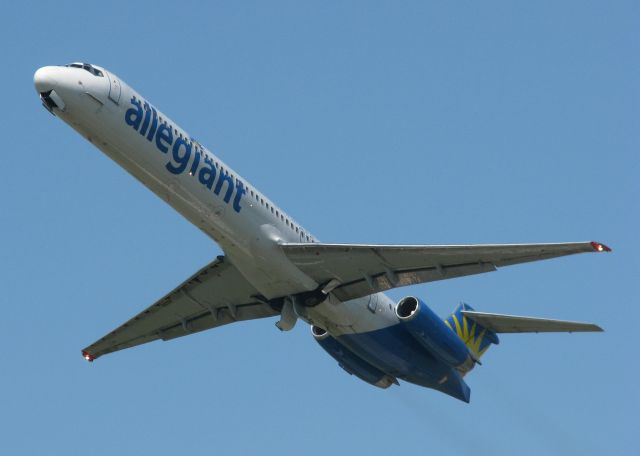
<point x="114" y="88"/>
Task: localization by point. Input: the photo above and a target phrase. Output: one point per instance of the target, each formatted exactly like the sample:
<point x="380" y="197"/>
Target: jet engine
<point x="440" y="339"/>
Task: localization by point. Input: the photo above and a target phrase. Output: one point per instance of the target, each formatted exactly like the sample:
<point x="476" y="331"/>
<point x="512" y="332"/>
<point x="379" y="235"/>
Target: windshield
<point x="86" y="66"/>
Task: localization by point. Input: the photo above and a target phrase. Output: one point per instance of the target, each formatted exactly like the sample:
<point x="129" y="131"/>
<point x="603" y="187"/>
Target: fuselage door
<point x="114" y="88"/>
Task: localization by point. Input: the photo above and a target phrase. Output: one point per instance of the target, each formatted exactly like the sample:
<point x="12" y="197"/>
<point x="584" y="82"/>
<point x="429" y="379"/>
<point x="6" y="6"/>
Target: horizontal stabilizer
<point x="499" y="323"/>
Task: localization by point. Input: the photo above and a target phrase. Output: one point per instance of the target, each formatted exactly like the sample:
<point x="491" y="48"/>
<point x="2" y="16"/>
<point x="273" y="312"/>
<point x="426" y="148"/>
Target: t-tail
<point x="478" y="330"/>
<point x="459" y="341"/>
<point x="475" y="336"/>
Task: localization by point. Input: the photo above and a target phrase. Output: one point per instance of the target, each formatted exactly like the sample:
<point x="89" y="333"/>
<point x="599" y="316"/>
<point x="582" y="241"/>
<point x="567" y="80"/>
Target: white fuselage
<point x="206" y="191"/>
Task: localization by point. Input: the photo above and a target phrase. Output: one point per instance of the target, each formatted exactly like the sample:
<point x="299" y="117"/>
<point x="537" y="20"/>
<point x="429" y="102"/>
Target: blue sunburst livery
<point x="476" y="337"/>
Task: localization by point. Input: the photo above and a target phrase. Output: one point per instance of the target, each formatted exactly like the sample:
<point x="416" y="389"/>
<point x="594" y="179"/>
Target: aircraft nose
<point x="44" y="79"/>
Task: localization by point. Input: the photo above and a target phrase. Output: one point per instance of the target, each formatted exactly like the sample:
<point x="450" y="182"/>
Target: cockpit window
<point x="88" y="67"/>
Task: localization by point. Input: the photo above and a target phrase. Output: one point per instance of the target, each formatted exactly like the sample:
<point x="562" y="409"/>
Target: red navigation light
<point x="88" y="356"/>
<point x="600" y="247"/>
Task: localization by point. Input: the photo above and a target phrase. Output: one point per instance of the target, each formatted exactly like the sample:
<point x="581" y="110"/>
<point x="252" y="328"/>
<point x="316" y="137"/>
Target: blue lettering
<point x="205" y="171"/>
<point x="181" y="159"/>
<point x="196" y="162"/>
<point x="133" y="116"/>
<point x="207" y="174"/>
<point x="147" y="119"/>
<point x="164" y="138"/>
<point x="154" y="125"/>
<point x="224" y="177"/>
<point x="239" y="192"/>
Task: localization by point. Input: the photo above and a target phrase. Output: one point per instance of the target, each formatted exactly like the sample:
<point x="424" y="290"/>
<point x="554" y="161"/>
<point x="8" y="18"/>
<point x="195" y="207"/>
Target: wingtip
<point x="589" y="327"/>
<point x="88" y="356"/>
<point x="599" y="247"/>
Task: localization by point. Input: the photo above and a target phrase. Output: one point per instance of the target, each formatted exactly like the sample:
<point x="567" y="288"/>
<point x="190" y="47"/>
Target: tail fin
<point x="475" y="336"/>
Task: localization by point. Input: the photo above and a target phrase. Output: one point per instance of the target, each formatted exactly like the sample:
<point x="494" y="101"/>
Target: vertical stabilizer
<point x="476" y="337"/>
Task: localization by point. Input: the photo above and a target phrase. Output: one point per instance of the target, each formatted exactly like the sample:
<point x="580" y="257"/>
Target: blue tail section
<point x="476" y="337"/>
<point x="455" y="386"/>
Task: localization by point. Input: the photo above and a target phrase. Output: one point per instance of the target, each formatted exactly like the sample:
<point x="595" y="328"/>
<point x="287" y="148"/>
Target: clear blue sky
<point x="372" y="122"/>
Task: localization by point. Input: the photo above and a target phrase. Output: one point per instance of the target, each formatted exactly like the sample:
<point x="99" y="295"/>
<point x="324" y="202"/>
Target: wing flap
<point x="500" y="323"/>
<point x="366" y="284"/>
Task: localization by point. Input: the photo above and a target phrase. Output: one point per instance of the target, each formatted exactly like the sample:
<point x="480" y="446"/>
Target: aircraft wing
<point x="214" y="296"/>
<point x="352" y="270"/>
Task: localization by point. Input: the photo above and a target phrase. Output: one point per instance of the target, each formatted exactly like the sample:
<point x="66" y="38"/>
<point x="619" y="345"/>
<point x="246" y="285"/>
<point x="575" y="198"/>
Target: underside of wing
<point x="359" y="270"/>
<point x="214" y="296"/>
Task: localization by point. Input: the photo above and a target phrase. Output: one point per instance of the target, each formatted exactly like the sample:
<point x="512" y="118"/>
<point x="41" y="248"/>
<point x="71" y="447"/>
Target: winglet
<point x="88" y="356"/>
<point x="598" y="247"/>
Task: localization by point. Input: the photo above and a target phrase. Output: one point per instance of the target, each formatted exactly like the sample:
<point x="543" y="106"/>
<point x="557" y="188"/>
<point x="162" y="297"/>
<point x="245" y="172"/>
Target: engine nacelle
<point x="350" y="362"/>
<point x="433" y="334"/>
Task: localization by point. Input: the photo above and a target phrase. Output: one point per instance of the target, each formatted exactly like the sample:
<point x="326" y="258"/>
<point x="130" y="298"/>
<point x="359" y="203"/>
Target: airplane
<point x="273" y="267"/>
